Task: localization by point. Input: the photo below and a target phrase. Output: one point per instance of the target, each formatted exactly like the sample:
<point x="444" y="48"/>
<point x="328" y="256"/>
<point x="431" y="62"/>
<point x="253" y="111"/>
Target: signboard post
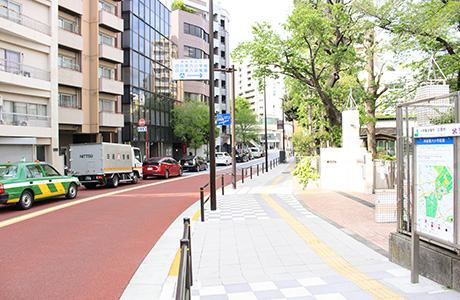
<point x="435" y="198"/>
<point x="142" y="127"/>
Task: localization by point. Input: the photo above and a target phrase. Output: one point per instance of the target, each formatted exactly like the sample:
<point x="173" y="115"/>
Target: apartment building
<point x="190" y="32"/>
<point x="89" y="58"/>
<point x="248" y="87"/>
<point x="29" y="126"/>
<point x="149" y="92"/>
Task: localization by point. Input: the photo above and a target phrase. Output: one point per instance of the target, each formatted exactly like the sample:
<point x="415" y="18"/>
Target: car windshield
<point x="156" y="159"/>
<point x="219" y="154"/>
<point x="188" y="157"/>
<point x="8" y="171"/>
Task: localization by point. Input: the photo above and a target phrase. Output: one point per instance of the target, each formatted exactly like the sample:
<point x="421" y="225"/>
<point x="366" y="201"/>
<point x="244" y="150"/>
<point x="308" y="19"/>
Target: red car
<point x="161" y="166"/>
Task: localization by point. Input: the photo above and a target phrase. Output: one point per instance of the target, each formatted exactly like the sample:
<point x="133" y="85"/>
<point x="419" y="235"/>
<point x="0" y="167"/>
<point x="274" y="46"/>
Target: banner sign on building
<point x="190" y="69"/>
<point x="223" y="119"/>
<point x="437" y="130"/>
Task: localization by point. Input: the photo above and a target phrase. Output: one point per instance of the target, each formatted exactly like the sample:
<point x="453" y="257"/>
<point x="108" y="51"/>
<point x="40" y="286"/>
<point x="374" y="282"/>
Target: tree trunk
<point x="372" y="92"/>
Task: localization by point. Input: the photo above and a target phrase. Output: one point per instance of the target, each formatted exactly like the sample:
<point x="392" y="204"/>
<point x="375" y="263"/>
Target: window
<point x="106" y="39"/>
<point x="68" y="100"/>
<point x="34" y="171"/>
<point x="106" y="72"/>
<point x="50" y="171"/>
<point x="106" y="105"/>
<point x="107" y="7"/>
<point x="10" y="10"/>
<point x="68" y="62"/>
<point x="68" y="25"/>
<point x="24" y="108"/>
<point x="196" y="31"/>
<point x="10" y="61"/>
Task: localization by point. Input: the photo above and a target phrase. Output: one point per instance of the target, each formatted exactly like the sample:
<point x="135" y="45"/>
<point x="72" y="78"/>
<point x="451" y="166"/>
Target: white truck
<point x="105" y="163"/>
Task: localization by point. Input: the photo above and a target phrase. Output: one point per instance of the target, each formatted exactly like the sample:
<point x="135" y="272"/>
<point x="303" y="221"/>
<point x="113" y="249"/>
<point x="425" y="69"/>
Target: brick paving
<point x="348" y="213"/>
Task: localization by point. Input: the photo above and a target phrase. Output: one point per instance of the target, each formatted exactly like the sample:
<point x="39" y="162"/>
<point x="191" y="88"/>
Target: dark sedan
<point x="194" y="163"/>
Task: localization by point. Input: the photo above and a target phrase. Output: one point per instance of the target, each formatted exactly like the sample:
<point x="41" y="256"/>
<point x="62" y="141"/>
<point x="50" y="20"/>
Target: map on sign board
<point x="435" y="187"/>
<point x="190" y="69"/>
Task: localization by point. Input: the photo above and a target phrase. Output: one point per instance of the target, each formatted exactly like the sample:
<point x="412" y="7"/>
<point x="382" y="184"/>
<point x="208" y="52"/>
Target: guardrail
<point x="184" y="278"/>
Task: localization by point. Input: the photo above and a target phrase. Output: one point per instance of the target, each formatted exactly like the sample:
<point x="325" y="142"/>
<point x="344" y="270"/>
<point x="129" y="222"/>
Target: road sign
<point x="141" y="122"/>
<point x="142" y="129"/>
<point x="223" y="119"/>
<point x="190" y="69"/>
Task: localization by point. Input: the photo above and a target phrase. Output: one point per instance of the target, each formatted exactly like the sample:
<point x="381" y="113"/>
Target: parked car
<point x="223" y="158"/>
<point x="161" y="166"/>
<point x="25" y="182"/>
<point x="241" y="156"/>
<point x="249" y="154"/>
<point x="194" y="163"/>
<point x="256" y="152"/>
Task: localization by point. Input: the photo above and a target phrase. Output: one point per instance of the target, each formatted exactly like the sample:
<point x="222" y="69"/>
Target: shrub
<point x="306" y="170"/>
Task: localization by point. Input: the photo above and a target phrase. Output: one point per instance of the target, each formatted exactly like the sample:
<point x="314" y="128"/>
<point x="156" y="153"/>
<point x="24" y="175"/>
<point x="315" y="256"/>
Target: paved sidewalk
<point x="263" y="242"/>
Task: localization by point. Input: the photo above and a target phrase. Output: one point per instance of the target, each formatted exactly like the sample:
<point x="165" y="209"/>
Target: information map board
<point x="435" y="182"/>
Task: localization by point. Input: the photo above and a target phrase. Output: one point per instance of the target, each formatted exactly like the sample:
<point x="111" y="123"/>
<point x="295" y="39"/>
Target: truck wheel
<point x="26" y="200"/>
<point x="166" y="174"/>
<point x="72" y="192"/>
<point x="135" y="178"/>
<point x="114" y="181"/>
<point x="89" y="186"/>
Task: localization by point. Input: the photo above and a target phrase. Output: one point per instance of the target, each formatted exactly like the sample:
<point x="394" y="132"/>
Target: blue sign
<point x="223" y="119"/>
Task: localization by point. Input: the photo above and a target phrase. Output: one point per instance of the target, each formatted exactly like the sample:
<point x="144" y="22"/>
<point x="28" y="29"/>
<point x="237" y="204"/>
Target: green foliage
<point x="386" y="157"/>
<point x="191" y="123"/>
<point x="179" y="4"/>
<point x="337" y="136"/>
<point x="246" y="128"/>
<point x="304" y="144"/>
<point x="444" y="118"/>
<point x="306" y="170"/>
<point x="290" y="108"/>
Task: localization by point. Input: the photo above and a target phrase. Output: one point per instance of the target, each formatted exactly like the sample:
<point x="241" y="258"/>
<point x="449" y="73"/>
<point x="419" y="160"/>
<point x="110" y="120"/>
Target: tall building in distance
<point x="28" y="81"/>
<point x="191" y="34"/>
<point x="247" y="87"/>
<point x="89" y="71"/>
<point x="149" y="92"/>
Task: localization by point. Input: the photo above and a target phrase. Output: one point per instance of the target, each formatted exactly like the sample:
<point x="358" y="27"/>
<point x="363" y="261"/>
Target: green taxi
<point x="25" y="182"/>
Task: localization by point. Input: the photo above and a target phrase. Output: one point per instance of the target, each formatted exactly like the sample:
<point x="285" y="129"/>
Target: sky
<point x="245" y="13"/>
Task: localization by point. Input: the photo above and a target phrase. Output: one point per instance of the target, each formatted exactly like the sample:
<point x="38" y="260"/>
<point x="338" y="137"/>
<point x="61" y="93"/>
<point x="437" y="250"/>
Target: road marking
<point x="76" y="202"/>
<point x="329" y="256"/>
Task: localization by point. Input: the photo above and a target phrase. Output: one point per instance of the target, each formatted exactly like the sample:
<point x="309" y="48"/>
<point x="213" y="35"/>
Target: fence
<point x="421" y="113"/>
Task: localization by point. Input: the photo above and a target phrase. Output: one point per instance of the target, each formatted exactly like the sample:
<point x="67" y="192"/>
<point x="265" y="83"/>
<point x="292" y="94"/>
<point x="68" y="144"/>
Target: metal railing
<point x="184" y="278"/>
<point x="22" y="19"/>
<point x="23" y="70"/>
<point x="17" y="119"/>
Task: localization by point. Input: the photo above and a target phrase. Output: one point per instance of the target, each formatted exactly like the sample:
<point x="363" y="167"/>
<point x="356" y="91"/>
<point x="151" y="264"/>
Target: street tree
<point x="191" y="123"/>
<point x="420" y="29"/>
<point x="246" y="128"/>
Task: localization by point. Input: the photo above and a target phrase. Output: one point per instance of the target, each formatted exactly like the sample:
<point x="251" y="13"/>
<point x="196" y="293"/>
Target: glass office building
<point x="149" y="91"/>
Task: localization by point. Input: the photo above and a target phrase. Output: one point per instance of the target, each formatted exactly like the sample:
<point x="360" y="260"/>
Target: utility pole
<point x="265" y="121"/>
<point x="212" y="122"/>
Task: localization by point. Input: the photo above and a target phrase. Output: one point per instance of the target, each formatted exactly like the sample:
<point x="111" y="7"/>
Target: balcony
<point x="110" y="86"/>
<point x="70" y="115"/>
<point x="24" y="120"/>
<point x="111" y="119"/>
<point x="21" y="75"/>
<point x="70" y="39"/>
<point x="110" y="53"/>
<point x="111" y="21"/>
<point x="70" y="76"/>
<point x="17" y="24"/>
<point x="75" y="6"/>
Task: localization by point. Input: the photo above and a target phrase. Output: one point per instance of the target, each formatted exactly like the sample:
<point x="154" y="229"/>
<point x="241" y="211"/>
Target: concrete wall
<point x="436" y="263"/>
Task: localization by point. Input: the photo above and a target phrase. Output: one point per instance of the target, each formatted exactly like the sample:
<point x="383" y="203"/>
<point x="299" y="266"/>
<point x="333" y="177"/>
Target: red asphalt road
<point x="90" y="250"/>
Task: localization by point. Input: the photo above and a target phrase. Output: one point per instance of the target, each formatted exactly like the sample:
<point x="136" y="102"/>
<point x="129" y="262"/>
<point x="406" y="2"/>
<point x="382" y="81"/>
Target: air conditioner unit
<point x="24" y="123"/>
